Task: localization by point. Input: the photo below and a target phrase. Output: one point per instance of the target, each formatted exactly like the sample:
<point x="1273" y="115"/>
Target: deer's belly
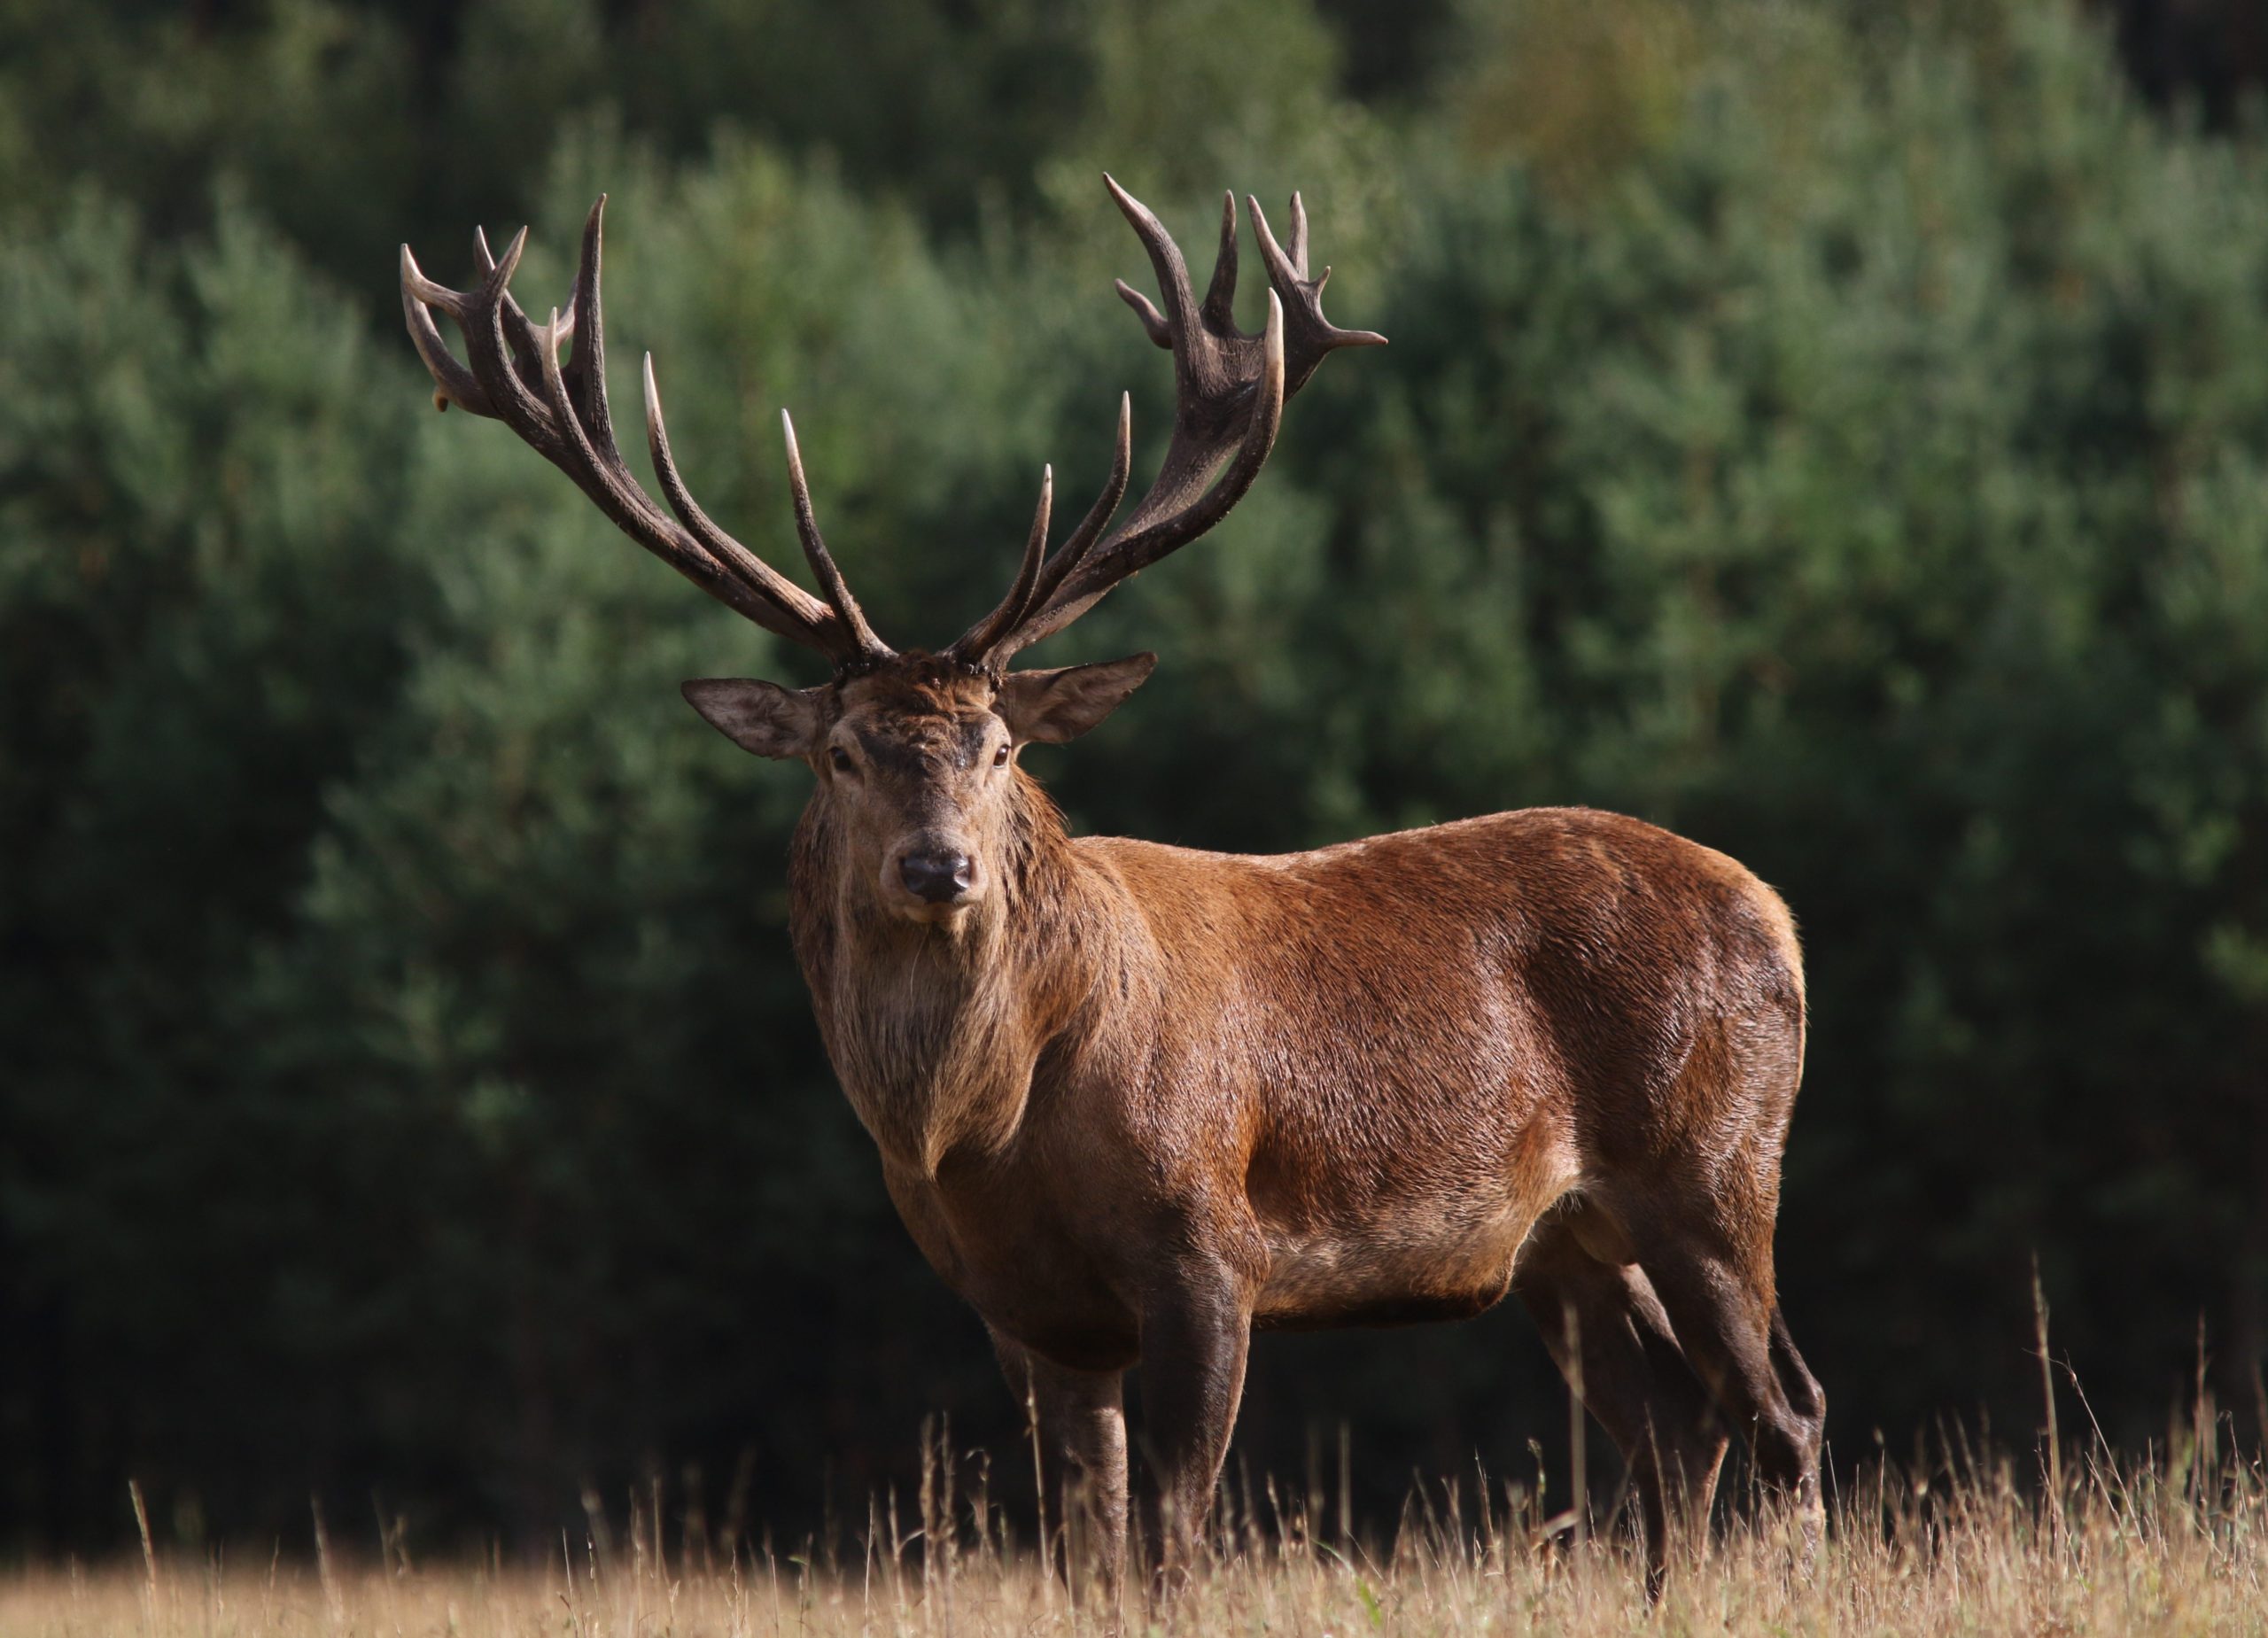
<point x="1428" y="1261"/>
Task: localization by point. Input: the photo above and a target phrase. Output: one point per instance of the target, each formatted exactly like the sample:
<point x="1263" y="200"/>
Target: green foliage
<point x="199" y="592"/>
<point x="1837" y="439"/>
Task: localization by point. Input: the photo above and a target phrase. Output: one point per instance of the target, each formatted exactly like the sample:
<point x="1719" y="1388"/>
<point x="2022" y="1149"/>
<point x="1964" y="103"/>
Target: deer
<point x="1136" y="1102"/>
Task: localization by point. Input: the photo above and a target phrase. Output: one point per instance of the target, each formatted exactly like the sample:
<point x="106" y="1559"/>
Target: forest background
<point x="1836" y="429"/>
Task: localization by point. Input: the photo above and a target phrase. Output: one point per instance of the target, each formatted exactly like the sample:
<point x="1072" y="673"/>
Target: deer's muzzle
<point x="932" y="874"/>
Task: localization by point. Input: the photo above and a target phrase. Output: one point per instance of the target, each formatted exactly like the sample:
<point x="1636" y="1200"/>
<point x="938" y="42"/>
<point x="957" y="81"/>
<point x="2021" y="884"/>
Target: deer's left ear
<point x="1051" y="707"/>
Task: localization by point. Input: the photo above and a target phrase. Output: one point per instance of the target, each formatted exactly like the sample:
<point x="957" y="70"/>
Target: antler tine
<point x="1165" y="258"/>
<point x="512" y="253"/>
<point x="1219" y="310"/>
<point x="452" y="383"/>
<point x="587" y="370"/>
<point x="1231" y="389"/>
<point x="869" y="647"/>
<point x="416" y="288"/>
<point x="513" y="374"/>
<point x="1098" y="516"/>
<point x="972" y="645"/>
<point x="518" y="320"/>
<point x="993" y="640"/>
<point x="1152" y="320"/>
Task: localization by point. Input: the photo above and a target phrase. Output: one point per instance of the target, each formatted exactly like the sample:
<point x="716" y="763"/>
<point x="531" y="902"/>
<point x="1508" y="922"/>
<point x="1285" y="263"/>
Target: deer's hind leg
<point x="1631" y="1376"/>
<point x="1715" y="1283"/>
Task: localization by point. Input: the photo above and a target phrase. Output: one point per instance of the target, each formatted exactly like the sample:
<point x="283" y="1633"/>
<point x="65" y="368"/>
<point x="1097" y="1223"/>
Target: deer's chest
<point x="1000" y="1241"/>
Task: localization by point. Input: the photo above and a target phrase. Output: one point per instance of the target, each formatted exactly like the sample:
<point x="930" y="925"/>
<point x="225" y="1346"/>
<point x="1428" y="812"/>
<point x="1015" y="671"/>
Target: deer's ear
<point x="1052" y="707"/>
<point x="761" y="716"/>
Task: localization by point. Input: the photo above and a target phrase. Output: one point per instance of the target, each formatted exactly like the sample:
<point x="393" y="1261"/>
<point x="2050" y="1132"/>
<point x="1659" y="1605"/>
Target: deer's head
<point x="916" y="761"/>
<point x="915" y="752"/>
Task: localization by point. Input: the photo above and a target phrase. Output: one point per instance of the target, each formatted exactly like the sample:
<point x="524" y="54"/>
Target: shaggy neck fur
<point x="934" y="1030"/>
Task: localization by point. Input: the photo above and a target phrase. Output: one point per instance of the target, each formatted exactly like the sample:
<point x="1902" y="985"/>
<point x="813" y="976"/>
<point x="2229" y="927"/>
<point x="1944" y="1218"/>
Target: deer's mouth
<point x="927" y="914"/>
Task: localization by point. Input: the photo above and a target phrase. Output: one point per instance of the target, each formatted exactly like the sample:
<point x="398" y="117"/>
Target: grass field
<point x="2172" y="1545"/>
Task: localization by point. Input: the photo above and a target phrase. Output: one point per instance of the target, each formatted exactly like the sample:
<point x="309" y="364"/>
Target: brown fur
<point x="1135" y="1100"/>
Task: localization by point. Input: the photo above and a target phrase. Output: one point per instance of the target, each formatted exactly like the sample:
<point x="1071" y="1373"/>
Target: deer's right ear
<point x="761" y="716"/>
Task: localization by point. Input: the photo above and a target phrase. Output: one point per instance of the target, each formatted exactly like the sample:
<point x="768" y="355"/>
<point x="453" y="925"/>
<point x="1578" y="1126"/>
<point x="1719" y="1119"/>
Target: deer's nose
<point x="938" y="875"/>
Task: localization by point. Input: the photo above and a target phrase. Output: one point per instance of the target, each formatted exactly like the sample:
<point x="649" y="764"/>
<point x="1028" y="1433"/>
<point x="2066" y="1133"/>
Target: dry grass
<point x="2179" y="1546"/>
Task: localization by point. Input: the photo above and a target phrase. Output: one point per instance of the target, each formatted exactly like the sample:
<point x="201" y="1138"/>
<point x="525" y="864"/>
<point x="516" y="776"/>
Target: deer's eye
<point x="1000" y="757"/>
<point x="841" y="758"/>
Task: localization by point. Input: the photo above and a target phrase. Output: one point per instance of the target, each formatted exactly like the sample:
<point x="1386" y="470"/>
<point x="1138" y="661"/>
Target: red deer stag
<point x="1133" y="1101"/>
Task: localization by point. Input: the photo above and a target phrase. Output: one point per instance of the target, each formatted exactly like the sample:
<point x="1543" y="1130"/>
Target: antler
<point x="515" y="377"/>
<point x="1230" y="390"/>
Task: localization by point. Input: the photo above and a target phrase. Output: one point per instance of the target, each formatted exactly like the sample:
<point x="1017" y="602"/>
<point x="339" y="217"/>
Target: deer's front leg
<point x="1083" y="1420"/>
<point x="1194" y="1338"/>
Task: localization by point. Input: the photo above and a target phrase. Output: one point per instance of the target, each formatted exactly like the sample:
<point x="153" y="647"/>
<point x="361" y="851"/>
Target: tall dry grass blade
<point x="1579" y="1469"/>
<point x="599" y="1537"/>
<point x="1044" y="1542"/>
<point x="897" y="1557"/>
<point x="931" y="1534"/>
<point x="1346" y="1492"/>
<point x="149" y="1546"/>
<point x="2055" y="1521"/>
<point x="2203" y="1423"/>
<point x="334" y="1599"/>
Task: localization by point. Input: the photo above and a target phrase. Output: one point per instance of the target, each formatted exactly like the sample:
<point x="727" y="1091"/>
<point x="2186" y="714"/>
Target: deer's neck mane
<point x="935" y="1031"/>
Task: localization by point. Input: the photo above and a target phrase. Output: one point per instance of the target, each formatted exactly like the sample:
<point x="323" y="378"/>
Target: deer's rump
<point x="1430" y="1038"/>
